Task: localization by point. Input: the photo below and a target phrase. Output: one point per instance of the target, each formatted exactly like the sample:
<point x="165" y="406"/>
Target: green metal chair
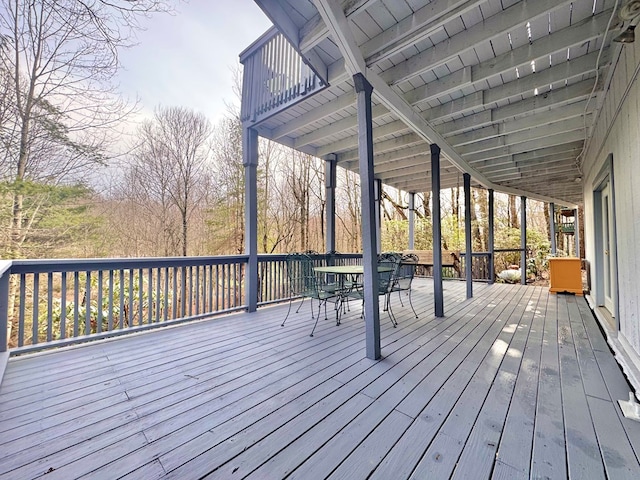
<point x="386" y="280"/>
<point x="305" y="283"/>
<point x="404" y="278"/>
<point x="390" y="263"/>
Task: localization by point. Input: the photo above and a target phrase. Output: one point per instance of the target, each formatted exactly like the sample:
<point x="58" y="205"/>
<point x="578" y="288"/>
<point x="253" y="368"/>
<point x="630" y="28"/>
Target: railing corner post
<point x="5" y="273"/>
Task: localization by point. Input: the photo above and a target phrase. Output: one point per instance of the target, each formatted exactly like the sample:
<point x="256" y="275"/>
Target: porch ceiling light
<point x="629" y="13"/>
<point x="627" y="36"/>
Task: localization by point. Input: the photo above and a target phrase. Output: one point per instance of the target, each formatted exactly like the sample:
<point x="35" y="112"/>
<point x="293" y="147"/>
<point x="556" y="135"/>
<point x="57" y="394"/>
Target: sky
<point x="186" y="59"/>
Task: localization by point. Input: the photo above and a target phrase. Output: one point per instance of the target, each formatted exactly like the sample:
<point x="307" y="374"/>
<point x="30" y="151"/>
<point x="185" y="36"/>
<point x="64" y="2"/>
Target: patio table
<point x="343" y="271"/>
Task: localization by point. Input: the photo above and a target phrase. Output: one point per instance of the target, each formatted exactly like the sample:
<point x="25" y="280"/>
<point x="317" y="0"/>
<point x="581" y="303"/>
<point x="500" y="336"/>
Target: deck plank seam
<point x="490" y="365"/>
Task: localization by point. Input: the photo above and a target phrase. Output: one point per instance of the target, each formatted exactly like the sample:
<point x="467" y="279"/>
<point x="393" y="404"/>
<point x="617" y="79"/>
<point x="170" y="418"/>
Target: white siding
<point x="618" y="132"/>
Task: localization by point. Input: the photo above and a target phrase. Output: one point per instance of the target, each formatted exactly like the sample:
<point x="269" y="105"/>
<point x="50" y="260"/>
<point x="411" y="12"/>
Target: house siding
<point x="617" y="132"/>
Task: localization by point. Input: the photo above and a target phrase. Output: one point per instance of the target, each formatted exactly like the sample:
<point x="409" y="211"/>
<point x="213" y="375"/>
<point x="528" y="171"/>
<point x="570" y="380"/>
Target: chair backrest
<point x="386" y="278"/>
<point x="406" y="271"/>
<point x="333" y="257"/>
<point x="302" y="277"/>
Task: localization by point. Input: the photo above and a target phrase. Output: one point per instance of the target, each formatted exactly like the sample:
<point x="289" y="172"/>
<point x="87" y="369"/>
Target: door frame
<point x="605" y="179"/>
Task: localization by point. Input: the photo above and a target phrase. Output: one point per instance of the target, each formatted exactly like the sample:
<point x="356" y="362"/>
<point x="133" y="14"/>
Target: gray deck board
<point x="548" y="457"/>
<point x="443" y="453"/>
<point x="477" y="459"/>
<point x="513" y="458"/>
<point x="496" y="388"/>
<point x="583" y="459"/>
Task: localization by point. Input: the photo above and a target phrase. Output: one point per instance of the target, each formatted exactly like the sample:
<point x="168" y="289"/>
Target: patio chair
<point x="305" y="283"/>
<point x="386" y="280"/>
<point x="390" y="263"/>
<point x="404" y="278"/>
<point x="332" y="257"/>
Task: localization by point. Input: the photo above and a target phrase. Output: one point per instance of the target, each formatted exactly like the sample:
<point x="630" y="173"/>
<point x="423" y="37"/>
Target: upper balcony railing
<point x="275" y="77"/>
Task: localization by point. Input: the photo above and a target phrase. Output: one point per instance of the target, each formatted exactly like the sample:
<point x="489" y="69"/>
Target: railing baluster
<point x="110" y="306"/>
<point x="166" y="293"/>
<point x="223" y="285"/>
<point x="63" y="305"/>
<point x="174" y="296"/>
<point x="190" y="295"/>
<point x="211" y="304"/>
<point x="49" y="306"/>
<point x="34" y="314"/>
<point x="197" y="299"/>
<point x="76" y="303"/>
<point x="150" y="295"/>
<point x="204" y="288"/>
<point x="183" y="290"/>
<point x="21" y="314"/>
<point x="140" y="297"/>
<point x="131" y="293"/>
<point x="158" y="293"/>
<point x="121" y="300"/>
<point x="87" y="304"/>
<point x="99" y="302"/>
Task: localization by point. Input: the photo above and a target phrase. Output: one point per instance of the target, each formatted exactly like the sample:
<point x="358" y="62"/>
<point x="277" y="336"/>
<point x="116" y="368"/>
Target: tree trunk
<point x="483" y="205"/>
<point x="426" y="199"/>
<point x="547" y="221"/>
<point x="455" y="203"/>
<point x="476" y="235"/>
<point x="513" y="212"/>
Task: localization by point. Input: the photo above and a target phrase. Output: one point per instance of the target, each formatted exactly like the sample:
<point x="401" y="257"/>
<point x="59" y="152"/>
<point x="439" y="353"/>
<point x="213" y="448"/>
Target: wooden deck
<point x="515" y="383"/>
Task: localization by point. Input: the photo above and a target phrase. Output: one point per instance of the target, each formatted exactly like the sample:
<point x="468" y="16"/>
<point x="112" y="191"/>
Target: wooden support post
<point x="523" y="240"/>
<point x="250" y="162"/>
<point x="492" y="260"/>
<point x="330" y="167"/>
<point x="552" y="228"/>
<point x="369" y="231"/>
<point x="438" y="290"/>
<point x="468" y="248"/>
<point x="412" y="221"/>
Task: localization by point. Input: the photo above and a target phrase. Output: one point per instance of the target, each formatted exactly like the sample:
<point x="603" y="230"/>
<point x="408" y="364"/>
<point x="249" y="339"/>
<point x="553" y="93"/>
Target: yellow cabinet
<point x="565" y="275"/>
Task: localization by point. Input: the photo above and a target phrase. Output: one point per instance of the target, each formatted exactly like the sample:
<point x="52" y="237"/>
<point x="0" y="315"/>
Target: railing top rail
<point x="5" y="265"/>
<point x="71" y="265"/>
<point x="258" y="44"/>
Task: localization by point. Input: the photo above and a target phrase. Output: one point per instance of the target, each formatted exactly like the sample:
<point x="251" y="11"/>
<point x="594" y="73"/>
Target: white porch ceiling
<point x="508" y="89"/>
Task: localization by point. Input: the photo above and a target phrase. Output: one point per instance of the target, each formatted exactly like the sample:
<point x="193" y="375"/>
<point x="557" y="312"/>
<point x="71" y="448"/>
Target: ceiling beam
<point x="524" y="86"/>
<point x="337" y="23"/>
<point x="538" y="131"/>
<point x="518" y="14"/>
<point x="550" y="76"/>
<point x="526" y="146"/>
<point x="314" y="31"/>
<point x="419" y="25"/>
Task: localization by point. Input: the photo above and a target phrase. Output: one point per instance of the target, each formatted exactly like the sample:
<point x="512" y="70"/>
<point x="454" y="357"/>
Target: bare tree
<point x="60" y="57"/>
<point x="351" y="218"/>
<point x="227" y="202"/>
<point x="169" y="167"/>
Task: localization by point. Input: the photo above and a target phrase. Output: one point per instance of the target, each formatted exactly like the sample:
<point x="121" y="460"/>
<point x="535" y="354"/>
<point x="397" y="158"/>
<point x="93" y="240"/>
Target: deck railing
<point x="275" y="76"/>
<point x="480" y="265"/>
<point x="49" y="303"/>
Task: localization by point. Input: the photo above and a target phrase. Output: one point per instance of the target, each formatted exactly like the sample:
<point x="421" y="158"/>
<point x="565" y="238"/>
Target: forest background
<point x="77" y="180"/>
